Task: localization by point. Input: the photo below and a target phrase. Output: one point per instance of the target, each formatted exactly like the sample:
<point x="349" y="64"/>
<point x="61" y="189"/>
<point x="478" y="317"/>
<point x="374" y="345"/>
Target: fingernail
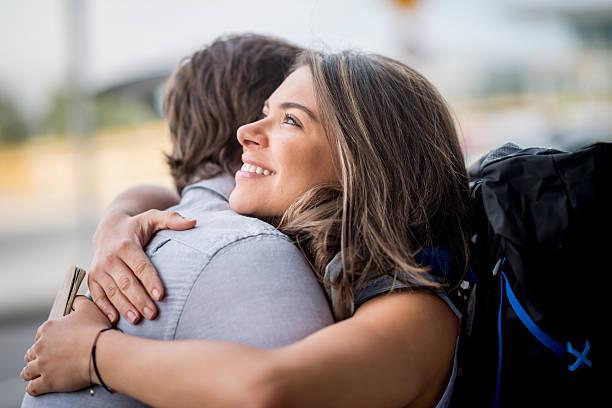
<point x="131" y="315"/>
<point x="156" y="294"/>
<point x="111" y="317"/>
<point x="148" y="312"/>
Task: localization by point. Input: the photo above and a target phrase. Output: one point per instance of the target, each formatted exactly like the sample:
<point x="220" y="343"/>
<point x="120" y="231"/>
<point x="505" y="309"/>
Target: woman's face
<point x="285" y="153"/>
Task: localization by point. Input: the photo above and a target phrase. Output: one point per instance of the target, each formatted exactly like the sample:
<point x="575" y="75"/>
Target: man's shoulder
<point x="216" y="229"/>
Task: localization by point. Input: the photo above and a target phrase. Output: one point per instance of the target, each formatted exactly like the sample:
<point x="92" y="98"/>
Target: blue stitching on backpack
<point x="580" y="356"/>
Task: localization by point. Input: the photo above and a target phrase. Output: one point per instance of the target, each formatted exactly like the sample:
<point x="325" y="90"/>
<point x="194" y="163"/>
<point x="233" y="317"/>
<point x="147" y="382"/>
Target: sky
<point x="127" y="39"/>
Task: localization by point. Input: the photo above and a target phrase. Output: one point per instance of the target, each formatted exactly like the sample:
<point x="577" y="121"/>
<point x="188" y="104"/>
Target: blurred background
<point x="80" y="99"/>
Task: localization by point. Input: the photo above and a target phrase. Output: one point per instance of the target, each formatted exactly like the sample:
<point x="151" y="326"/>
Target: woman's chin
<point x="238" y="205"/>
<point x="242" y="205"/>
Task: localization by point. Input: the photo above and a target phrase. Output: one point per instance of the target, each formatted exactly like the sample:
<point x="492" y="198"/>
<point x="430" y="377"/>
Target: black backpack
<point x="535" y="297"/>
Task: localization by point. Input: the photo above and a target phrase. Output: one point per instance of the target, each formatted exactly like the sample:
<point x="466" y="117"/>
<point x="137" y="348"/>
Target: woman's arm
<point x="138" y="199"/>
<point x="121" y="274"/>
<point x="396" y="350"/>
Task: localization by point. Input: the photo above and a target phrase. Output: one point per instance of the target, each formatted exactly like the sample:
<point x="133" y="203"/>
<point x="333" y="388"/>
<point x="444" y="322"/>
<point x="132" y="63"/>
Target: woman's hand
<point x="59" y="359"/>
<point x="121" y="274"/>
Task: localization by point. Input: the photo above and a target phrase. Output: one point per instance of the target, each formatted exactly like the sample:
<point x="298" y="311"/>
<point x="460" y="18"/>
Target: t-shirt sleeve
<point x="344" y="305"/>
<point x="258" y="291"/>
<point x="384" y="284"/>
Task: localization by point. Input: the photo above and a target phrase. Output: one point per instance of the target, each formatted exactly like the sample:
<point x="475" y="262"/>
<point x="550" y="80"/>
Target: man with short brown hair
<point x="232" y="277"/>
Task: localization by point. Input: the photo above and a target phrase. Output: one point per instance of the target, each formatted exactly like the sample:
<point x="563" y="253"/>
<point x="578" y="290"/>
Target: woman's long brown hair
<point x="402" y="180"/>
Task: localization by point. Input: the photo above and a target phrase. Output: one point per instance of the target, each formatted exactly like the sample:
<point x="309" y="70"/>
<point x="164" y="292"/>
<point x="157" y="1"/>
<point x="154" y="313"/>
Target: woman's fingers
<point x="116" y="297"/>
<point x="133" y="291"/>
<point x="29" y="355"/>
<point x="177" y="222"/>
<point x="41" y="329"/>
<point x="80" y="301"/>
<point x="148" y="223"/>
<point x="58" y="360"/>
<point x="159" y="220"/>
<point x="100" y="299"/>
<point x="139" y="263"/>
<point x="38" y="386"/>
<point x="30" y="371"/>
<point x="122" y="276"/>
<point x="117" y="288"/>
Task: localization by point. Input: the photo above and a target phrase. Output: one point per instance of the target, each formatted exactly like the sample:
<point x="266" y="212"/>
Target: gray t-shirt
<point x="344" y="306"/>
<point x="232" y="278"/>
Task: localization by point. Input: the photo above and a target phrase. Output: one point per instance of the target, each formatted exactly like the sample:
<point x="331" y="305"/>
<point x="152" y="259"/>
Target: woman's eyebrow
<point x="286" y="105"/>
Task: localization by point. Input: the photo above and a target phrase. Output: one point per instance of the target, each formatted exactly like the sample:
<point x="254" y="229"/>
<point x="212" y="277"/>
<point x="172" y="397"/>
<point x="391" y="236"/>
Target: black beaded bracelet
<point x="95" y="365"/>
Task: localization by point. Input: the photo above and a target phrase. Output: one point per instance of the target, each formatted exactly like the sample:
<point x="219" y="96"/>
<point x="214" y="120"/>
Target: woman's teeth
<point x="255" y="169"/>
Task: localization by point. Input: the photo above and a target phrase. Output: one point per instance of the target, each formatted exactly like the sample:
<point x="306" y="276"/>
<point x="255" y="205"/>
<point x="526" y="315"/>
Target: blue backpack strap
<point x="550" y="343"/>
<point x="497" y="267"/>
<point x="520" y="312"/>
<point x="438" y="258"/>
<point x="471" y="276"/>
<point x="545" y="339"/>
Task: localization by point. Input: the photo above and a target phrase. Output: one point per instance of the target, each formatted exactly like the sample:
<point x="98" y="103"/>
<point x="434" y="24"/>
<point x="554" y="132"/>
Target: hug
<point x="309" y="183"/>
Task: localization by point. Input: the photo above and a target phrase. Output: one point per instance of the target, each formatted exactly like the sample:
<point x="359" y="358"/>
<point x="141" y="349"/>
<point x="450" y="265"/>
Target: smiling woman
<point x="358" y="157"/>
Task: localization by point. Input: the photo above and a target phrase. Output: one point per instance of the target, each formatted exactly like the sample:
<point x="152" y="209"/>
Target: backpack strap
<point x="550" y="343"/>
<point x="545" y="339"/>
<point x="520" y="312"/>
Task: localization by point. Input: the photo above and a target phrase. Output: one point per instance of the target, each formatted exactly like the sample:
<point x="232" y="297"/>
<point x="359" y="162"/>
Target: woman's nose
<point x="252" y="135"/>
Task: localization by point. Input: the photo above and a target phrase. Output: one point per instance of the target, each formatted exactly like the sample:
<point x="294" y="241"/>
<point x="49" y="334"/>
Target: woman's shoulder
<point x="345" y="304"/>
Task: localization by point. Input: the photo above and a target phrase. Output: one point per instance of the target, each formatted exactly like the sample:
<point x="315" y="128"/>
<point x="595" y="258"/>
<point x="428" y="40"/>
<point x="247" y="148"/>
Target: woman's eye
<point x="290" y="120"/>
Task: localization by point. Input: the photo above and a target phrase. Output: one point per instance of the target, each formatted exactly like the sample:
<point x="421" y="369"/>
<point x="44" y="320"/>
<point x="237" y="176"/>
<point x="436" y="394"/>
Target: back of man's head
<point x="215" y="91"/>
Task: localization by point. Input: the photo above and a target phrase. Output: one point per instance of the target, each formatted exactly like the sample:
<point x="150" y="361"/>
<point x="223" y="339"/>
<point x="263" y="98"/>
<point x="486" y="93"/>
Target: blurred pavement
<point x="33" y="264"/>
<point x="16" y="335"/>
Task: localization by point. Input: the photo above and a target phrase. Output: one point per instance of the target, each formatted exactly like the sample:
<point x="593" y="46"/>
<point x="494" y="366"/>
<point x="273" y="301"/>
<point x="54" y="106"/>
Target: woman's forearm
<point x="138" y="199"/>
<point x="396" y="350"/>
<point x="185" y="373"/>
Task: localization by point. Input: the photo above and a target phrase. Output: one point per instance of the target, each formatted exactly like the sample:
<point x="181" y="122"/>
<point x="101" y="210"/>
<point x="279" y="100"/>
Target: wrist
<point x="87" y="362"/>
<point x="94" y="366"/>
<point x="109" y="221"/>
<point x="116" y="213"/>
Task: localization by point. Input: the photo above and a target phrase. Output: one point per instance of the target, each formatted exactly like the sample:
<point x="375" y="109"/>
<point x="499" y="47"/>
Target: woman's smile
<point x="252" y="169"/>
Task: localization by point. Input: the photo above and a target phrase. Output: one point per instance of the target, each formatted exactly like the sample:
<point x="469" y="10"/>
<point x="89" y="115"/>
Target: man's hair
<point x="215" y="91"/>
